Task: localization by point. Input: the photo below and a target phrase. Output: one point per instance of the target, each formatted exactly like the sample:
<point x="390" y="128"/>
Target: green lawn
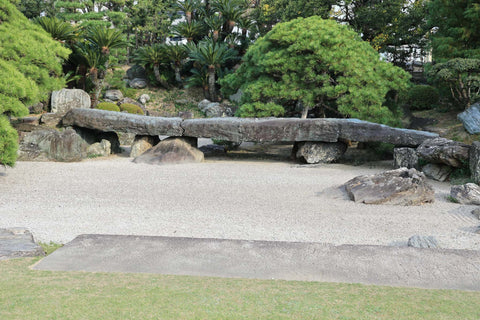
<point x="30" y="294"/>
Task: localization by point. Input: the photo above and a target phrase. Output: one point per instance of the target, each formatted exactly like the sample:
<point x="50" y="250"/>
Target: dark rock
<point x="67" y="99"/>
<point x="100" y="149"/>
<point x="318" y="152"/>
<point x="113" y="95"/>
<point x="405" y="158"/>
<point x="441" y="150"/>
<point x="37" y="108"/>
<point x="50" y="144"/>
<point x="171" y="150"/>
<point x="398" y="187"/>
<point x="438" y="172"/>
<point x="18" y="243"/>
<point x="138" y="83"/>
<point x="142" y="144"/>
<point x="466" y="194"/>
<point x="51" y="120"/>
<point x="471" y="118"/>
<point x="124" y="122"/>
<point x="91" y="137"/>
<point x="213" y="150"/>
<point x="474" y="161"/>
<point x="423" y="242"/>
<point x="136" y="71"/>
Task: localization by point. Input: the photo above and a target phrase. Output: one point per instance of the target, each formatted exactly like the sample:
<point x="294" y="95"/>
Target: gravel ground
<point x="241" y="199"/>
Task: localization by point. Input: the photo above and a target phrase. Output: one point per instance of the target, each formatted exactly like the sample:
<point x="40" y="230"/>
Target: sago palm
<point x="152" y="57"/>
<point x="58" y="29"/>
<point x="176" y="54"/>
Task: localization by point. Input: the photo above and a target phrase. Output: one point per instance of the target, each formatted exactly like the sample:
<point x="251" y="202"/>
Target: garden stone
<point x="466" y="194"/>
<point x="438" y="172"/>
<point x="405" y="157"/>
<point x="203" y="104"/>
<point x="213" y="150"/>
<point x="138" y="83"/>
<point x="36" y="108"/>
<point x="474" y="161"/>
<point x="236" y="97"/>
<point x="136" y="71"/>
<point x="214" y="110"/>
<point x="52" y="145"/>
<point x="476" y="213"/>
<point x="397" y="187"/>
<point x="441" y="150"/>
<point x="471" y="118"/>
<point x="100" y="149"/>
<point x="18" y="243"/>
<point x="66" y="99"/>
<point x="51" y="120"/>
<point x="423" y="242"/>
<point x="171" y="150"/>
<point x="114" y="95"/>
<point x="144" y="98"/>
<point x="142" y="144"/>
<point x="319" y="152"/>
<point x="93" y="136"/>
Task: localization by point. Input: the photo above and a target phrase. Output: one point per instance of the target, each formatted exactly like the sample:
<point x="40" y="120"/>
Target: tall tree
<point x="455" y="29"/>
<point x="30" y="68"/>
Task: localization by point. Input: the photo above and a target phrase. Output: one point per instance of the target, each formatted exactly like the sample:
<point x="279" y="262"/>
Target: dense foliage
<point x="30" y="68"/>
<point x="317" y="63"/>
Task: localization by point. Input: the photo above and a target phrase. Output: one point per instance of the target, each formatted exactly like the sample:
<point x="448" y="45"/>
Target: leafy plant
<point x="423" y="97"/>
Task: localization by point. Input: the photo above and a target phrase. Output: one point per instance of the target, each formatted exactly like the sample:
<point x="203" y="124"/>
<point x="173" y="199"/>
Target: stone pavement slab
<point x="17" y="243"/>
<point x="378" y="265"/>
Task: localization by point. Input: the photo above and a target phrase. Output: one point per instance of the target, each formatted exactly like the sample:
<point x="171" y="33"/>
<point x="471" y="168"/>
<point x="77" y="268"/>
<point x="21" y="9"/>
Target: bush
<point x="8" y="143"/>
<point x="131" y="108"/>
<point x="423" y="97"/>
<point x="259" y="110"/>
<point x="109" y="106"/>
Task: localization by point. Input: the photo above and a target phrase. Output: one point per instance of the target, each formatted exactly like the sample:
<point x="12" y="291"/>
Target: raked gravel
<point x="258" y="200"/>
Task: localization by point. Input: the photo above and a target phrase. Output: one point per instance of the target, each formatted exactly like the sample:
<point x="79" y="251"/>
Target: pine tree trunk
<point x="211" y="84"/>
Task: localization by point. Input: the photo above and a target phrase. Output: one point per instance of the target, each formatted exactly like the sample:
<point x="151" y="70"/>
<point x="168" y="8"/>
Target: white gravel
<point x="218" y="199"/>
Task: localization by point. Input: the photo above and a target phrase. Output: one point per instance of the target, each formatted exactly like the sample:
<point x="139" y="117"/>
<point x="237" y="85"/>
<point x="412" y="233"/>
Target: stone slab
<point x="17" y="243"/>
<point x="305" y="261"/>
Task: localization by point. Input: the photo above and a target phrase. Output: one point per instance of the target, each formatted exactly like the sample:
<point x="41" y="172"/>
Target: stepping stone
<point x="303" y="261"/>
<point x="17" y="243"/>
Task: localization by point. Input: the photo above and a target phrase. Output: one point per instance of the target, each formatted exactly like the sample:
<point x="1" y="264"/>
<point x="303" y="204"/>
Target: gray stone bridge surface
<point x="242" y="129"/>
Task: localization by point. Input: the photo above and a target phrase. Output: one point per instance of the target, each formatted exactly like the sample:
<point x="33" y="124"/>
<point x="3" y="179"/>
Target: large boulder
<point x="319" y="152"/>
<point x="405" y="158"/>
<point x="441" y="150"/>
<point x="66" y="99"/>
<point x="438" y="172"/>
<point x="99" y="149"/>
<point x="398" y="187"/>
<point x="136" y="71"/>
<point x="142" y="144"/>
<point x="471" y="118"/>
<point x="138" y="83"/>
<point x="52" y="145"/>
<point x="171" y="150"/>
<point x="466" y="194"/>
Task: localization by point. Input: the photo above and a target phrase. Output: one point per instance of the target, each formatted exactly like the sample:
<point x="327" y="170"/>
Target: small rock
<point x="405" y="158"/>
<point x="142" y="144"/>
<point x="438" y="172"/>
<point x="171" y="150"/>
<point x="319" y="152"/>
<point x="138" y="83"/>
<point x="476" y="213"/>
<point x="114" y="95"/>
<point x="17" y="243"/>
<point x="466" y="194"/>
<point x="422" y="242"/>
<point x="402" y="186"/>
<point x="100" y="149"/>
<point x="203" y="104"/>
<point x="144" y="98"/>
<point x="36" y="108"/>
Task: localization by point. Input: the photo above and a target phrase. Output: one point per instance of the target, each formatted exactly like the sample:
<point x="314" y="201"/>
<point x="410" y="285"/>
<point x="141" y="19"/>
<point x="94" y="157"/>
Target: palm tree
<point x="215" y="23"/>
<point x="176" y="53"/>
<point x="192" y="31"/>
<point x="212" y="55"/>
<point x="59" y="30"/>
<point x="153" y="57"/>
<point x="231" y="11"/>
<point x="189" y="7"/>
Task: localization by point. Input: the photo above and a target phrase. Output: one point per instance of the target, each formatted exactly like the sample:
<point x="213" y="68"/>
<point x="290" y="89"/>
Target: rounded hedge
<point x="109" y="106"/>
<point x="131" y="108"/>
<point x="423" y="97"/>
<point x="8" y="143"/>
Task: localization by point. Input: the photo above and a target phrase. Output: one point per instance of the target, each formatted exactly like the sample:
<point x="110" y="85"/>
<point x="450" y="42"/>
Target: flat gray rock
<point x="18" y="243"/>
<point x="304" y="261"/>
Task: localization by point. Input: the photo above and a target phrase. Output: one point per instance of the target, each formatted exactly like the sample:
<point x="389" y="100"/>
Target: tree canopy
<point x="316" y="63"/>
<point x="30" y="68"/>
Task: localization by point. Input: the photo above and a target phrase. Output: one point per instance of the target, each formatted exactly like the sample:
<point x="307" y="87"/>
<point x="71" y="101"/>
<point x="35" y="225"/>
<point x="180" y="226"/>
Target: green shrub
<point x="115" y="81"/>
<point x="109" y="106"/>
<point x="8" y="143"/>
<point x="131" y="108"/>
<point x="260" y="109"/>
<point x="423" y="97"/>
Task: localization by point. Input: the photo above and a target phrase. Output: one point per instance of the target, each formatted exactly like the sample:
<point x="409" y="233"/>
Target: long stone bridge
<point x="241" y="129"/>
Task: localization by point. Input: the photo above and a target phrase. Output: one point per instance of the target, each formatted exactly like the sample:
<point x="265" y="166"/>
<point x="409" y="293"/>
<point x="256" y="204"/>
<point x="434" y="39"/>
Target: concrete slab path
<point x="305" y="261"/>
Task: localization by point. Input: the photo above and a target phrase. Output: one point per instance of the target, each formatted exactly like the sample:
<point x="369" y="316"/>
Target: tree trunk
<point x="211" y="83"/>
<point x="158" y="77"/>
<point x="178" y="78"/>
